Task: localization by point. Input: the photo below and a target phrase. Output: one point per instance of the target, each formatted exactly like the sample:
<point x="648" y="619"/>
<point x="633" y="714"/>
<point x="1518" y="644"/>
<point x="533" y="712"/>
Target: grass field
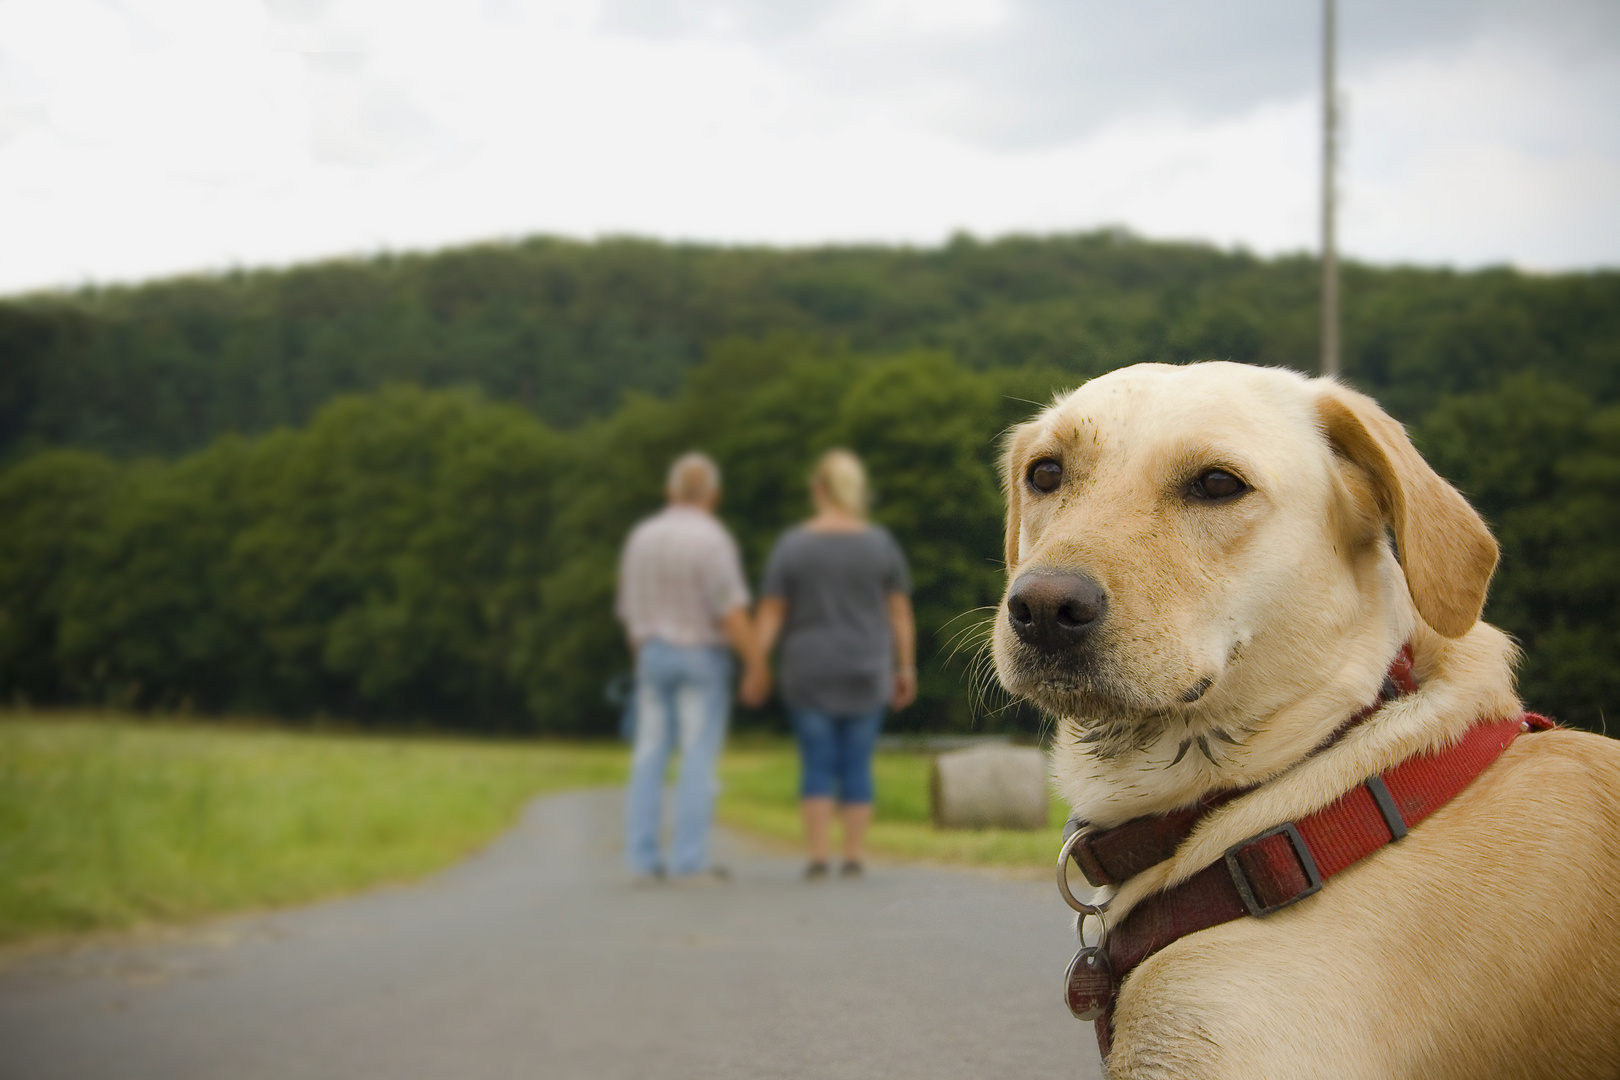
<point x="113" y="823"/>
<point x="760" y="795"/>
<point x="108" y="822"/>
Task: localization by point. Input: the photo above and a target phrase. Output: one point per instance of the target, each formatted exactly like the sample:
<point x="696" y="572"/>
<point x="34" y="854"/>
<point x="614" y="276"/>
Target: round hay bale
<point x="989" y="787"/>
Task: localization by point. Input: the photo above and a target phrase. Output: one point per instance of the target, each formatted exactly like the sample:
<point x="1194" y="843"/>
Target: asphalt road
<point x="538" y="959"/>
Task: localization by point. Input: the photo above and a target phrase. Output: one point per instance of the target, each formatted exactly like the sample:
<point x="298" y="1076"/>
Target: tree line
<point x="565" y="329"/>
<point x="359" y="491"/>
<point x="433" y="557"/>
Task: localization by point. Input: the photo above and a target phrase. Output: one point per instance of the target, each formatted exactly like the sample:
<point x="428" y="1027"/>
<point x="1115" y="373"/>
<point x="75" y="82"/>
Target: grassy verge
<point x="112" y="823"/>
<point x="761" y="796"/>
<point x="108" y="823"/>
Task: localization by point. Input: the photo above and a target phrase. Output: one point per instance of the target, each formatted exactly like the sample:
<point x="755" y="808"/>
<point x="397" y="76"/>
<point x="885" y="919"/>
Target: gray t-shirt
<point x="837" y="645"/>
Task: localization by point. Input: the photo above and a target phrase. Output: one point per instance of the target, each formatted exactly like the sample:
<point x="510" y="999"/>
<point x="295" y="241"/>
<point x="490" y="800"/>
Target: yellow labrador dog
<point x="1204" y="591"/>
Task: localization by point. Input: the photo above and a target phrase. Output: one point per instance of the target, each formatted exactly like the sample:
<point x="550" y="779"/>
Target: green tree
<point x="1542" y="464"/>
<point x="48" y="504"/>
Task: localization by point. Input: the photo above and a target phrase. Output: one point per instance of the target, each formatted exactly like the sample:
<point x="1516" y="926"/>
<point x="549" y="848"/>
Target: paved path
<point x="537" y="959"/>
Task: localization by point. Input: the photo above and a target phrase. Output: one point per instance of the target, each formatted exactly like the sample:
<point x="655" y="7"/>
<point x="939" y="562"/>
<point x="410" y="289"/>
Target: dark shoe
<point x="850" y="870"/>
<point x="816" y="871"/>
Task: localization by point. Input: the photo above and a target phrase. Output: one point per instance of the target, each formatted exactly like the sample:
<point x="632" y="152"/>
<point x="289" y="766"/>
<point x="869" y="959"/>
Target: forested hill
<point x="393" y="491"/>
<point x="566" y="328"/>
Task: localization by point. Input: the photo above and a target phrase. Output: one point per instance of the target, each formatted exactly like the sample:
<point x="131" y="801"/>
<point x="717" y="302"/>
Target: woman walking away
<point x="837" y="594"/>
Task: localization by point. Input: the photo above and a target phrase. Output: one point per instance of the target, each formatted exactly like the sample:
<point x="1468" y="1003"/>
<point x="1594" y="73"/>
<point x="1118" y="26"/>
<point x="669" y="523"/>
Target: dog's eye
<point x="1045" y="475"/>
<point x="1217" y="485"/>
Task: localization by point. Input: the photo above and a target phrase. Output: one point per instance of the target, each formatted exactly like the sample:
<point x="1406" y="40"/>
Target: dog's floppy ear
<point x="1012" y="485"/>
<point x="1446" y="551"/>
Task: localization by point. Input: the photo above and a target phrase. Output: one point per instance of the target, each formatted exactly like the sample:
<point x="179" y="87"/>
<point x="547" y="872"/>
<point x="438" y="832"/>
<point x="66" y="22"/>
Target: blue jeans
<point x="684" y="694"/>
<point x="836" y="750"/>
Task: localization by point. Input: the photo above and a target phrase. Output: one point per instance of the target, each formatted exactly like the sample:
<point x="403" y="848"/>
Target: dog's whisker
<point x="968" y="635"/>
<point x="970" y="611"/>
<point x="978" y="631"/>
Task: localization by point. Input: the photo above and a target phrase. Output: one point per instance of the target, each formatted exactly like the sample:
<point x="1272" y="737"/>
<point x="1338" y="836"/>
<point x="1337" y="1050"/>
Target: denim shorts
<point x="835" y="752"/>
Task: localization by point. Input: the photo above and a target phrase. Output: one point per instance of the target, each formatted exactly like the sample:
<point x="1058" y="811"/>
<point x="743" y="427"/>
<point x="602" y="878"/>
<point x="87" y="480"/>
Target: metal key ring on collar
<point x="1079" y="905"/>
<point x="1101" y="944"/>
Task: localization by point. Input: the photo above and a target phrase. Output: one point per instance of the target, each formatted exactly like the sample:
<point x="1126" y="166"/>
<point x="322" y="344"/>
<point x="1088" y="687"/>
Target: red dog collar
<point x="1271" y="870"/>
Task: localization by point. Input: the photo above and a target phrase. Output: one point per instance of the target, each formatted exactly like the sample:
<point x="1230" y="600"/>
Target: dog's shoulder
<point x="1558" y="781"/>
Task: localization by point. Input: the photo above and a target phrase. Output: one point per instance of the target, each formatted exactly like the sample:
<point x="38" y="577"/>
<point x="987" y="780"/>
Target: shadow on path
<point x="536" y="959"/>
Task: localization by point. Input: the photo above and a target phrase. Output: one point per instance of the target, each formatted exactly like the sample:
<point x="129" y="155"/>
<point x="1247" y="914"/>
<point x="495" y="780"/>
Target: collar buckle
<point x="1255" y="865"/>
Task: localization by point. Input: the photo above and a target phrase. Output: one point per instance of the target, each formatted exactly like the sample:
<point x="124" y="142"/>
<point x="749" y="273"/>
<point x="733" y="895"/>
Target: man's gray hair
<point x="693" y="478"/>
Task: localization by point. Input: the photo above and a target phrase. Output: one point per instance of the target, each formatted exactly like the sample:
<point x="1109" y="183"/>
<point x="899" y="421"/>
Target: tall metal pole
<point x="1330" y="161"/>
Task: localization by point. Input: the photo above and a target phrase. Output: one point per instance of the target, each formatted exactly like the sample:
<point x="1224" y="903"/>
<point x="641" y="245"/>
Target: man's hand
<point x="755" y="686"/>
<point x="905" y="688"/>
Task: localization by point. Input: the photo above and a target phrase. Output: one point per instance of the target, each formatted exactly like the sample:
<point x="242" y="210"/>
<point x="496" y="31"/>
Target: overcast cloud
<point x="145" y="137"/>
<point x="1051" y="71"/>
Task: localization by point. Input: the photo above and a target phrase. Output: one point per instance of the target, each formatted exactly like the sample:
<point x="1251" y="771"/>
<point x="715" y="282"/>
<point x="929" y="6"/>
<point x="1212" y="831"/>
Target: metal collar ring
<point x="1063" y="878"/>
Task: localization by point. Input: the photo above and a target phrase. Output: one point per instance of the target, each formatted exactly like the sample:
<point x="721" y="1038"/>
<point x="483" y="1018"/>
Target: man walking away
<point x="682" y="599"/>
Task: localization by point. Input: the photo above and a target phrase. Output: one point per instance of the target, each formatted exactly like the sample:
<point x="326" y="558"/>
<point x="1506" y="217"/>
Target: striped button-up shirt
<point x="679" y="576"/>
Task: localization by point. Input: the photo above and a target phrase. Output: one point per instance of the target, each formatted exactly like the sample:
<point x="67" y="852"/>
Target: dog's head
<point x="1189" y="546"/>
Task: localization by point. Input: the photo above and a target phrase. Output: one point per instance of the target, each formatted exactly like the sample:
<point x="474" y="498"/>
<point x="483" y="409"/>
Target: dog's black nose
<point x="1055" y="611"/>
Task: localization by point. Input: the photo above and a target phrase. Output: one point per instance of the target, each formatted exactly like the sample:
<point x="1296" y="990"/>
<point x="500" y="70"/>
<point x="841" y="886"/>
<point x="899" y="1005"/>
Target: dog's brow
<point x="1190" y="459"/>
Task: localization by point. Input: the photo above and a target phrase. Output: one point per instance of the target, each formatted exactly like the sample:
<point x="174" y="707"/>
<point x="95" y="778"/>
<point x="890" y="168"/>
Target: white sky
<point x="150" y="137"/>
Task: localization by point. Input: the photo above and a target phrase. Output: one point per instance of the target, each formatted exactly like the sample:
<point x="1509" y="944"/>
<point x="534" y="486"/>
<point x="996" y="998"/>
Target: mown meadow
<point x="109" y="823"/>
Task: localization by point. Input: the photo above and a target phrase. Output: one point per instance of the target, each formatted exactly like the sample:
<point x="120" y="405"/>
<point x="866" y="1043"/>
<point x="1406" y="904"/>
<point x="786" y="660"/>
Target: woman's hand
<point x="755" y="688"/>
<point x="904" y="625"/>
<point x="905" y="688"/>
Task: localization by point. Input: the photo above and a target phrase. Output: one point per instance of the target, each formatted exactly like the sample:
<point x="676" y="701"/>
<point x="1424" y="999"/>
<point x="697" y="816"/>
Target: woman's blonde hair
<point x="842" y="479"/>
